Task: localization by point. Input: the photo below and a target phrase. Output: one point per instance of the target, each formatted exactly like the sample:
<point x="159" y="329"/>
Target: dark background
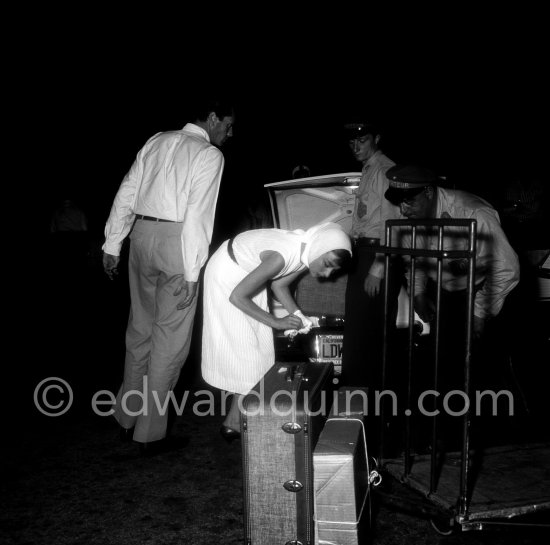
<point x="462" y="92"/>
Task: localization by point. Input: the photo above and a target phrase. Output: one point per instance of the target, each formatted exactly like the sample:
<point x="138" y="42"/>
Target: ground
<point x="70" y="480"/>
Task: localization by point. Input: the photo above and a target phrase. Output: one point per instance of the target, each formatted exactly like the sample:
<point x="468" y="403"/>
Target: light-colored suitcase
<point x="342" y="475"/>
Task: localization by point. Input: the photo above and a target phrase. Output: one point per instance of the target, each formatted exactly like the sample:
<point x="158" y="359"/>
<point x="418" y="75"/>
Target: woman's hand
<point x="288" y="322"/>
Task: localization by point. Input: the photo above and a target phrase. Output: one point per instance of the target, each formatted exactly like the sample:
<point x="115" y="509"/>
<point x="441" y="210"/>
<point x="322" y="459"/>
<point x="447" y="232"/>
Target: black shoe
<point x="229" y="434"/>
<point x="162" y="446"/>
<point x="126" y="434"/>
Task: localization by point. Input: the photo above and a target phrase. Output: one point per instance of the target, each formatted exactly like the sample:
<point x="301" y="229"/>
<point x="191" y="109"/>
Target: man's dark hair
<point x="203" y="106"/>
<point x="343" y="258"/>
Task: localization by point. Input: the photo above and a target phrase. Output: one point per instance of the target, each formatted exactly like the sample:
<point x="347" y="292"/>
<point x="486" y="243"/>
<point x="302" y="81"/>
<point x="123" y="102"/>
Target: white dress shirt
<point x="497" y="265"/>
<point x="176" y="176"/>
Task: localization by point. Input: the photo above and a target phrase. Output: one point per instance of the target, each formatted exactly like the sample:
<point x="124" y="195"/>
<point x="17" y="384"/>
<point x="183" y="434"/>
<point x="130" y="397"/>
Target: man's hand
<point x="110" y="265"/>
<point x="372" y="285"/>
<point x="479" y="327"/>
<point x="187" y="290"/>
<point x="424" y="307"/>
<point x="459" y="267"/>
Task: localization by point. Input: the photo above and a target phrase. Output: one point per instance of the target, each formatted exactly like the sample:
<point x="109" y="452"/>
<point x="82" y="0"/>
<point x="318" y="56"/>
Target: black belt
<point x="151" y="218"/>
<point x="366" y="241"/>
<point x="230" y="250"/>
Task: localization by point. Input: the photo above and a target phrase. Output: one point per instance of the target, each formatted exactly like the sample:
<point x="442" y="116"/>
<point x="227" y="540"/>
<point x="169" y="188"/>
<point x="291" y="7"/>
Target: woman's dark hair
<point x="343" y="258"/>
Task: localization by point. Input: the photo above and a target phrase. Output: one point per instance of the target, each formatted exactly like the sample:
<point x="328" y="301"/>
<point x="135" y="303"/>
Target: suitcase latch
<point x="293" y="486"/>
<point x="292" y="427"/>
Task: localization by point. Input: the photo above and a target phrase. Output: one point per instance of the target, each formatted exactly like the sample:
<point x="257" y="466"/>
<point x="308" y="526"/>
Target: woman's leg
<point x="233" y="418"/>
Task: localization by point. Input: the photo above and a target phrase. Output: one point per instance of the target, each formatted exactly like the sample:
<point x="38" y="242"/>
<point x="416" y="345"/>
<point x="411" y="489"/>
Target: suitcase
<point x="342" y="475"/>
<point x="281" y="421"/>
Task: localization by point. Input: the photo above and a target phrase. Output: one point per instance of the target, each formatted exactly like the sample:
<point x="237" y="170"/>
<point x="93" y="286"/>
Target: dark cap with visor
<point x="359" y="129"/>
<point x="407" y="181"/>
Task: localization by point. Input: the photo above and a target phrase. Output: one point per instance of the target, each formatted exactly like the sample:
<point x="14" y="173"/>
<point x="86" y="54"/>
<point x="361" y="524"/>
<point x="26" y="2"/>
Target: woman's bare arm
<point x="281" y="290"/>
<point x="241" y="296"/>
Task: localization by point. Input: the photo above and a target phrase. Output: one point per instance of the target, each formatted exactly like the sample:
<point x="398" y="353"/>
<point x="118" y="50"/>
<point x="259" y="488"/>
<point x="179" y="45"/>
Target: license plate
<point x="328" y="348"/>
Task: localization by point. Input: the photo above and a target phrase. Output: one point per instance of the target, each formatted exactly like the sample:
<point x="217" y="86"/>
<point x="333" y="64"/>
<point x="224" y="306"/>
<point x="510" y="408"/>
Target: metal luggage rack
<point x="513" y="480"/>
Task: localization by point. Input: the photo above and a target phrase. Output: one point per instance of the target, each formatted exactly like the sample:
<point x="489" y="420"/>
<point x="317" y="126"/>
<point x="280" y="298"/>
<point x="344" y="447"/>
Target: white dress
<point x="237" y="350"/>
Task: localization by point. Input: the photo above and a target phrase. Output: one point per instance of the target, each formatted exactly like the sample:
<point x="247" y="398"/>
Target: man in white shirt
<point x="167" y="200"/>
<point x="416" y="192"/>
<point x="418" y="195"/>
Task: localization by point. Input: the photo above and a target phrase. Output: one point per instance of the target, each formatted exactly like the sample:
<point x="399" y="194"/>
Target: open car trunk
<point x="301" y="204"/>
